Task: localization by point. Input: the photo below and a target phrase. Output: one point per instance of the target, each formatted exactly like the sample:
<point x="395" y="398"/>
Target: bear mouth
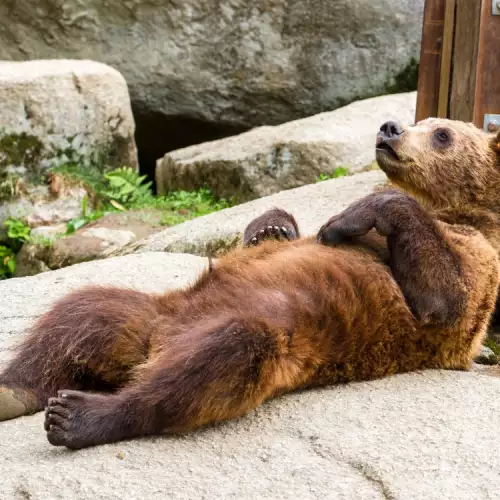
<point x="386" y="148"/>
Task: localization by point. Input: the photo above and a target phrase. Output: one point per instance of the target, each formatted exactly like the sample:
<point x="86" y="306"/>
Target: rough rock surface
<point x="419" y="436"/>
<point x="39" y="207"/>
<point x="215" y="233"/>
<point x="96" y="240"/>
<point x="230" y="61"/>
<point x="486" y="356"/>
<point x="267" y="160"/>
<point x="55" y="111"/>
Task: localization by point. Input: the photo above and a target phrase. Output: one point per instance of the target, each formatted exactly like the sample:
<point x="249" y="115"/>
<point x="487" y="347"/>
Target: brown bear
<point x="451" y="167"/>
<point x="385" y="288"/>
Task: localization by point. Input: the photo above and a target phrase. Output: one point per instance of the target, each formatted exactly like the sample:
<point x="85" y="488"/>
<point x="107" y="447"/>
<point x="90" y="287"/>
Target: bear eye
<point x="443" y="136"/>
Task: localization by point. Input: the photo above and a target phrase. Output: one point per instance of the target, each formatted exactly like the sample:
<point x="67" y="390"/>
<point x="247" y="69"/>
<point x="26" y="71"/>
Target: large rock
<point x="39" y="206"/>
<point x="421" y="436"/>
<point x="60" y="111"/>
<point x="214" y="234"/>
<point x="50" y="249"/>
<point x="129" y="232"/>
<point x="227" y="62"/>
<point x="269" y="159"/>
<point x="29" y="297"/>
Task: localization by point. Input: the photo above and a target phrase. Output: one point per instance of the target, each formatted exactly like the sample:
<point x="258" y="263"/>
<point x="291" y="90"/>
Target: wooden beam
<point x="430" y="59"/>
<point x="446" y="56"/>
<point x="465" y="50"/>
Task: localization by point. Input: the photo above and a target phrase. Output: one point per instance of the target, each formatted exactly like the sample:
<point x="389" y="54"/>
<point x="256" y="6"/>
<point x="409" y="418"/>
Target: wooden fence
<point x="459" y="73"/>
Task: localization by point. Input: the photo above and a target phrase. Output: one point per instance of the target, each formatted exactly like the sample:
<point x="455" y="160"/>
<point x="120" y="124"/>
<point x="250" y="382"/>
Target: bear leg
<point x="91" y="339"/>
<point x="220" y="370"/>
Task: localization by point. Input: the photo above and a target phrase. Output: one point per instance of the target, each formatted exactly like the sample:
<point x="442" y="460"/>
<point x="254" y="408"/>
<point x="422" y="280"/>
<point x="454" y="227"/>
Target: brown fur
<point x="458" y="180"/>
<point x="274" y="224"/>
<point x="267" y="319"/>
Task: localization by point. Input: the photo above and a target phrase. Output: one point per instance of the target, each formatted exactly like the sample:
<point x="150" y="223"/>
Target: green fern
<point x="126" y="187"/>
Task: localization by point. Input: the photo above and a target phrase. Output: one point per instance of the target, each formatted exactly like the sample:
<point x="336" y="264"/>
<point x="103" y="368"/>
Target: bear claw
<point x="274" y="224"/>
<point x="271" y="232"/>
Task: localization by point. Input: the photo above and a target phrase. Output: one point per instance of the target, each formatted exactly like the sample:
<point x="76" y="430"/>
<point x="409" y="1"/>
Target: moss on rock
<point x="21" y="154"/>
<point x="406" y="80"/>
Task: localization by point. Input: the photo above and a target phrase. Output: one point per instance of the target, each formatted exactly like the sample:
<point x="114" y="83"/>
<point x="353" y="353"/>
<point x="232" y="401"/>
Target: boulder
<point x="128" y="232"/>
<point x="50" y="249"/>
<point x="214" y="234"/>
<point x="39" y="207"/>
<point x="266" y="160"/>
<point x="61" y="111"/>
<point x="227" y="63"/>
<point x="425" y="435"/>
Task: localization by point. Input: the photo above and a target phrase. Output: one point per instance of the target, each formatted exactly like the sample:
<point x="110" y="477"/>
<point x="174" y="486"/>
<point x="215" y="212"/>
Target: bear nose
<point x="391" y="130"/>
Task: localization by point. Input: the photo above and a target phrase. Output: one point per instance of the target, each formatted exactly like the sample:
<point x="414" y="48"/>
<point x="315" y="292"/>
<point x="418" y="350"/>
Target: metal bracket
<point x="495" y="7"/>
<point x="491" y="123"/>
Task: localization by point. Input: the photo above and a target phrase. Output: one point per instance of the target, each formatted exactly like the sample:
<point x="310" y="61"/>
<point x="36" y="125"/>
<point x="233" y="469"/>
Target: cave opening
<point x="157" y="134"/>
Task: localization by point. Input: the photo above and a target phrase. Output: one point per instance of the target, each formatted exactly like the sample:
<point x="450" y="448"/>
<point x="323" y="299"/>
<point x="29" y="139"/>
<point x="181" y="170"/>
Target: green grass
<point x="124" y="189"/>
<point x="181" y="206"/>
<point x="91" y="177"/>
<point x="334" y="174"/>
<point x="119" y="190"/>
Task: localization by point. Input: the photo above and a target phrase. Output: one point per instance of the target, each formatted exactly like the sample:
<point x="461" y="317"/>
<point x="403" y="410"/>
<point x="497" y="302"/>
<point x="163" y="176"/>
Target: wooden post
<point x="463" y="86"/>
<point x="446" y="57"/>
<point x="429" y="71"/>
<point x="459" y="74"/>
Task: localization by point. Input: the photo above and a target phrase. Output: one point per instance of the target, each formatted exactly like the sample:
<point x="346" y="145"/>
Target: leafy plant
<point x="118" y="190"/>
<point x="334" y="174"/>
<point x="184" y="205"/>
<point x="17" y="229"/>
<point x="124" y="189"/>
<point x="172" y="219"/>
<point x="18" y="233"/>
<point x="127" y="188"/>
<point x="91" y="177"/>
<point x="7" y="262"/>
<point x="86" y="217"/>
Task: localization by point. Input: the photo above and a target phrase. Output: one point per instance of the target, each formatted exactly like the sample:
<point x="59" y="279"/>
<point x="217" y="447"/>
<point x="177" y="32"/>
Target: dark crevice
<point x="157" y="134"/>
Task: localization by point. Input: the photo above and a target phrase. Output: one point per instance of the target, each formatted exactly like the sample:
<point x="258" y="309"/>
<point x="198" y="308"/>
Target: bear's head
<point x="444" y="163"/>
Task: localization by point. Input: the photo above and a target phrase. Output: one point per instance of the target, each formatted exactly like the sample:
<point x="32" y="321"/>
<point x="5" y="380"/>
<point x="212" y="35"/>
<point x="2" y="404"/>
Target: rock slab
<point x="96" y="240"/>
<point x="267" y="160"/>
<point x="58" y="111"/>
<point x="213" y="234"/>
<point x="421" y="436"/>
<point x="229" y="61"/>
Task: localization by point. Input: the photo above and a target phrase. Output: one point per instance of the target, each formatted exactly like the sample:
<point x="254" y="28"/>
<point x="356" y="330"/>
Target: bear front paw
<point x="385" y="211"/>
